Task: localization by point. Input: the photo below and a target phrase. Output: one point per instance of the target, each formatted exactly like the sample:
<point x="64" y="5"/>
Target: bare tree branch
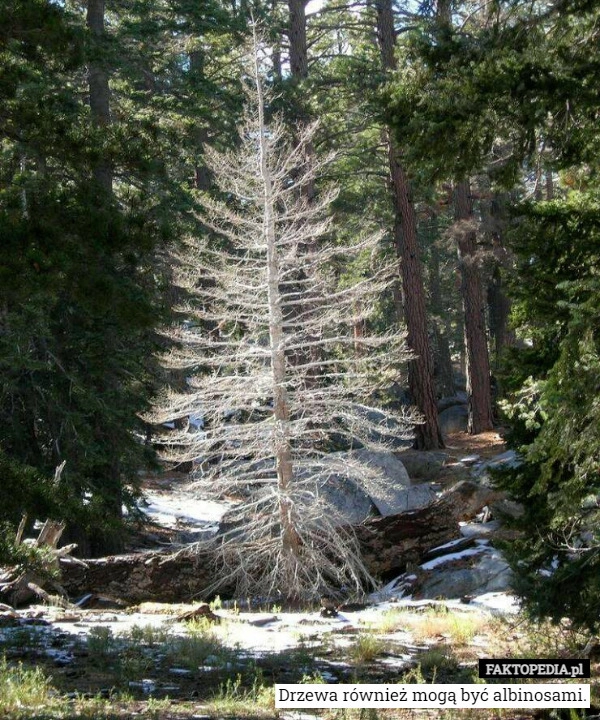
<point x="262" y="295"/>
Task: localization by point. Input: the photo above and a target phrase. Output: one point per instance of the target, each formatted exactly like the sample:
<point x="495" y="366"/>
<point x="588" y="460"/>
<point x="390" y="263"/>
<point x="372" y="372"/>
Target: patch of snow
<point x="498" y="603"/>
<point x="146" y="685"/>
<point x="399" y="661"/>
<point x="471" y="529"/>
<point x="170" y="509"/>
<point x="447" y="546"/>
<point x="430" y="564"/>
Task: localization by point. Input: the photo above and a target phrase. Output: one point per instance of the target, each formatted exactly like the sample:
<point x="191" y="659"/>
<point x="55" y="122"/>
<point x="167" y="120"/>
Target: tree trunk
<point x="99" y="89"/>
<point x="159" y="576"/>
<point x="477" y="356"/>
<point x="297" y="39"/>
<point x="420" y="370"/>
<point x="283" y="452"/>
<point x="444" y="373"/>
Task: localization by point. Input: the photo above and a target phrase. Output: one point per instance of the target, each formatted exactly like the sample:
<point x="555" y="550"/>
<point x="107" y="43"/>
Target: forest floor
<point x="142" y="662"/>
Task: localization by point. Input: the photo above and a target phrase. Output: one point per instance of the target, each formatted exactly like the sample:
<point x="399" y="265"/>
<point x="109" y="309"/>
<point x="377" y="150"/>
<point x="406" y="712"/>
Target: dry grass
<point x="457" y="628"/>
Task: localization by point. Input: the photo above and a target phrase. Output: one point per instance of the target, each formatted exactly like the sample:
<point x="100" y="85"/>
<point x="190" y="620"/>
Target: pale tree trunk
<point x="420" y="370"/>
<point x="478" y="363"/>
<point x="99" y="89"/>
<point x="283" y="451"/>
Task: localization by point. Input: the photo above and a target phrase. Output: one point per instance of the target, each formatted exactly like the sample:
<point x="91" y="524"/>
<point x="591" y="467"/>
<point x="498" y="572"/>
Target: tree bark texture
<point x="391" y="543"/>
<point x="478" y="363"/>
<point x="98" y="88"/>
<point x="297" y="39"/>
<point x="136" y="577"/>
<point x="443" y="360"/>
<point x="420" y="370"/>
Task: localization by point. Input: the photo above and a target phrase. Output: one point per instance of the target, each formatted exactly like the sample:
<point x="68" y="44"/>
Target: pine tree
<point x="512" y="94"/>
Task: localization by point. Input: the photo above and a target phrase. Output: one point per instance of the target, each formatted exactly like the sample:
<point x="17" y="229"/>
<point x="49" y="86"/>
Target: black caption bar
<point x="555" y="668"/>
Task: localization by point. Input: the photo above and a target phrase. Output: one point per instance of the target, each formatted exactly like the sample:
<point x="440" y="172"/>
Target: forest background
<point x="468" y="133"/>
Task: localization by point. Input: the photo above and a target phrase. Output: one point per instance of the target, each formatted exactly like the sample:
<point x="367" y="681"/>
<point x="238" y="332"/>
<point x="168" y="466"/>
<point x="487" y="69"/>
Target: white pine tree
<point x="275" y="368"/>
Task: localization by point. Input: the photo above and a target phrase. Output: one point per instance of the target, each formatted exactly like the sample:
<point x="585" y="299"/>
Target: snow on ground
<point x="430" y="564"/>
<point x="173" y="508"/>
<point x="498" y="603"/>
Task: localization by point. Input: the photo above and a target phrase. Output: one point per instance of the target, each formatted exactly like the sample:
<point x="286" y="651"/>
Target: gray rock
<point x="387" y="430"/>
<point x="423" y="464"/>
<point x="508" y="459"/>
<point x="454" y="419"/>
<point x="489" y="572"/>
<point x="507" y="508"/>
<point x="348" y="501"/>
<point x="388" y="488"/>
<point x="387" y="463"/>
<point x="448" y="402"/>
<point x="410" y="498"/>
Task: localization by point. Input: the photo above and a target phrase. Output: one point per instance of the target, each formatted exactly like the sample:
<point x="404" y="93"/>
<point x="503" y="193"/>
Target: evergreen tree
<point x="515" y="93"/>
<point x="93" y="188"/>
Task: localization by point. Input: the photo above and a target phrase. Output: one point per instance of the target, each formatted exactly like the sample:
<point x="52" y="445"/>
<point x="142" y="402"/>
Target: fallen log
<point x="388" y="545"/>
<point x="160" y="576"/>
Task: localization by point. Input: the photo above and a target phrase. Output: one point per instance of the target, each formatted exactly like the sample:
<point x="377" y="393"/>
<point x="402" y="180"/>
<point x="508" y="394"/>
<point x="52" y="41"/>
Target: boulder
<point x="454" y="419"/>
<point x="348" y="500"/>
<point x="484" y="573"/>
<point x="423" y="464"/>
<point x="410" y="498"/>
<point x="448" y="402"/>
<point x="356" y="496"/>
<point x="507" y="508"/>
<point x="388" y="464"/>
<point x="386" y="430"/>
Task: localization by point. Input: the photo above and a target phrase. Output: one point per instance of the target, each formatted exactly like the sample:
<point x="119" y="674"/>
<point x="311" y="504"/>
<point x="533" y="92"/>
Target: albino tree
<point x="274" y="366"/>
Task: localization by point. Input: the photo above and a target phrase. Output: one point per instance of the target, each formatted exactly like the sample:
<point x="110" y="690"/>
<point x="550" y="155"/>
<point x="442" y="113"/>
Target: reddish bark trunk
<point x="420" y="370"/>
<point x="297" y="38"/>
<point x="478" y="362"/>
<point x="99" y="89"/>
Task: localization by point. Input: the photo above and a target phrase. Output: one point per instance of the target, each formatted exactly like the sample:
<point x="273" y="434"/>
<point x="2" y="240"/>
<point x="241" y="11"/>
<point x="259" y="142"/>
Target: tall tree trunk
<point x="444" y="374"/>
<point x="283" y="453"/>
<point x="494" y="222"/>
<point x="478" y="363"/>
<point x="297" y="39"/>
<point x="420" y="370"/>
<point x="202" y="179"/>
<point x="99" y="89"/>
